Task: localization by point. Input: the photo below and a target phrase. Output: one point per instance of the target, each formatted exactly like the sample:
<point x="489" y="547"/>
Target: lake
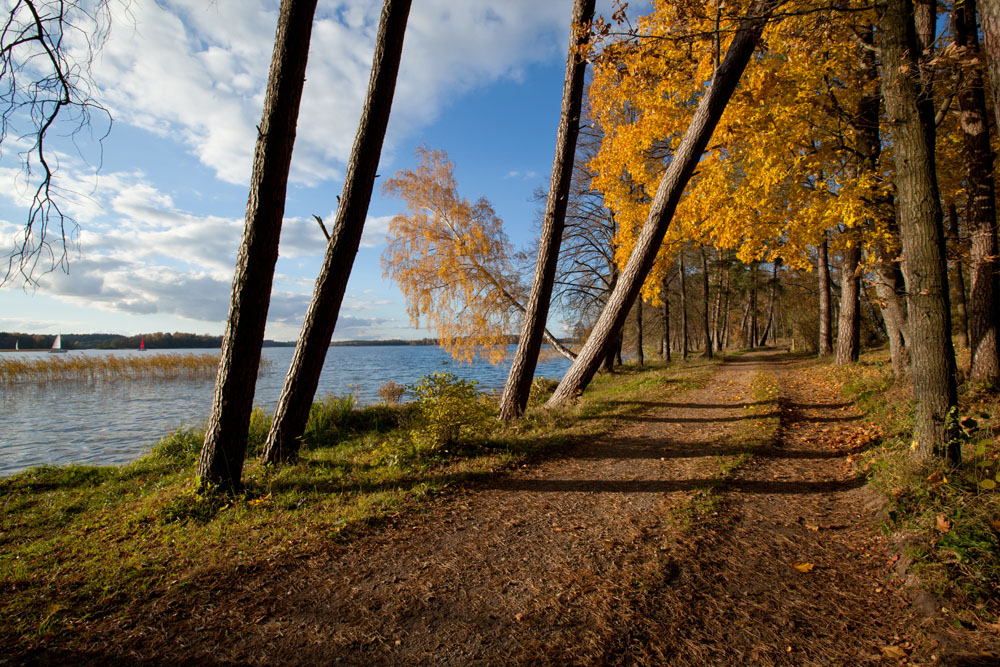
<point x="114" y="422"/>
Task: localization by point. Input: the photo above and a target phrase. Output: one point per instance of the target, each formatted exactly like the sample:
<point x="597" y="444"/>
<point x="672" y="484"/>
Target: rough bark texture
<point x="664" y="204"/>
<point x="303" y="376"/>
<point x="989" y="21"/>
<point x="707" y="302"/>
<point x="665" y="343"/>
<point x="684" y="304"/>
<point x="849" y="324"/>
<point x="910" y="112"/>
<point x="222" y="455"/>
<point x="957" y="280"/>
<point x="825" y="320"/>
<point x="522" y="369"/>
<point x="640" y="357"/>
<point x="980" y="210"/>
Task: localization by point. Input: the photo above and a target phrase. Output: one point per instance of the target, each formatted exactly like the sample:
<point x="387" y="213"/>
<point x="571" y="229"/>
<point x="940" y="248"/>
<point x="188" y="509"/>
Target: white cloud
<point x="196" y="71"/>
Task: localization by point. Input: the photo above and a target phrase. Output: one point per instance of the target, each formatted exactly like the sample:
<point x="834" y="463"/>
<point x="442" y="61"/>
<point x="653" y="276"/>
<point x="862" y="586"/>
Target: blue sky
<point x="161" y="221"/>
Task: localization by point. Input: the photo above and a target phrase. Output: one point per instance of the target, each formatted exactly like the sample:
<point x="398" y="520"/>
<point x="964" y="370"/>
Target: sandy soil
<point x="588" y="558"/>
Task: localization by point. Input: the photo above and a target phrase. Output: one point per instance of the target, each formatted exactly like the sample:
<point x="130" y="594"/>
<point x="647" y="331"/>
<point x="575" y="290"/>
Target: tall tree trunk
<point x="980" y="210"/>
<point x="668" y="194"/>
<point x="522" y="370"/>
<point x="665" y="343"/>
<point x="296" y="398"/>
<point x="638" y="332"/>
<point x="825" y="321"/>
<point x="751" y="336"/>
<point x="684" y="304"/>
<point x="772" y="302"/>
<point x="910" y="114"/>
<point x="958" y="284"/>
<point x="849" y="323"/>
<point x="989" y="21"/>
<point x="224" y="450"/>
<point x="724" y="337"/>
<point x="707" y="302"/>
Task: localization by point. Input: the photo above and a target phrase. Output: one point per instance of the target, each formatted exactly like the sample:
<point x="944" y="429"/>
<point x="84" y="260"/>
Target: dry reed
<point x="111" y="367"/>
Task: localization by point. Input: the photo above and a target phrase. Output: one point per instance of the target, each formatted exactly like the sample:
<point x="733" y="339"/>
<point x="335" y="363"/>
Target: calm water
<point x="116" y="422"/>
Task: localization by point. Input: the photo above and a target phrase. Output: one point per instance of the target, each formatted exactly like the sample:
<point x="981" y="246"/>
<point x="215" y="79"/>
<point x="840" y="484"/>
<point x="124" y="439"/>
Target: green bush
<point x="448" y="409"/>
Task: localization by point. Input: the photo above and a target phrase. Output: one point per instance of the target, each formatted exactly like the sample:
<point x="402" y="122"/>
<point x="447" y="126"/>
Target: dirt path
<point x="582" y="560"/>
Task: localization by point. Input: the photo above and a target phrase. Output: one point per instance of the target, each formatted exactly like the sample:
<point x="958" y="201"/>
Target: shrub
<point x="448" y="409"/>
<point x="391" y="392"/>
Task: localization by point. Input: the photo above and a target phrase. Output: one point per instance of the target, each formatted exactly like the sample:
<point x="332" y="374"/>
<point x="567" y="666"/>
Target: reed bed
<point x="103" y="368"/>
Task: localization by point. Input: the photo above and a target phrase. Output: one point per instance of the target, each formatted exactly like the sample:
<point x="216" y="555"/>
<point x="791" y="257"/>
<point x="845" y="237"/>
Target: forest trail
<point x="637" y="548"/>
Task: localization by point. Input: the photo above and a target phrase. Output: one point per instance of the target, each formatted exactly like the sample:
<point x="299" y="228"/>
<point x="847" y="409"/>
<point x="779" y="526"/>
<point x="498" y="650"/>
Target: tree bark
<point x="296" y="398"/>
<point x="640" y="358"/>
<point x="849" y="323"/>
<point x="910" y="114"/>
<point x="989" y="21"/>
<point x="665" y="343"/>
<point x="769" y="328"/>
<point x="224" y="449"/>
<point x="707" y="302"/>
<point x="980" y="210"/>
<point x="684" y="304"/>
<point x="825" y="321"/>
<point x="522" y="370"/>
<point x="664" y="204"/>
<point x="958" y="285"/>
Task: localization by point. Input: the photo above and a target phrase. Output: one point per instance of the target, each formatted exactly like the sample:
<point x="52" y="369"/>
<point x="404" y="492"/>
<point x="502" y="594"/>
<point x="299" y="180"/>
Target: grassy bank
<point x="111" y="367"/>
<point x="946" y="520"/>
<point x="78" y="544"/>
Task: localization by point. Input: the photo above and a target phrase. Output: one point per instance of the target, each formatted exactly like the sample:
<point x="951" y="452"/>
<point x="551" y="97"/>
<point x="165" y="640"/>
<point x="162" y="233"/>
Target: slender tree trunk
<point x="224" y="450"/>
<point x="745" y="320"/>
<point x="825" y="322"/>
<point x="981" y="218"/>
<point x="707" y="302"/>
<point x="989" y="21"/>
<point x="724" y="337"/>
<point x="684" y="304"/>
<point x="958" y="284"/>
<point x="296" y="398"/>
<point x="752" y="333"/>
<point x="638" y="332"/>
<point x="772" y="302"/>
<point x="668" y="194"/>
<point x="717" y="311"/>
<point x="665" y="343"/>
<point x="910" y="114"/>
<point x="522" y="370"/>
<point x="849" y="323"/>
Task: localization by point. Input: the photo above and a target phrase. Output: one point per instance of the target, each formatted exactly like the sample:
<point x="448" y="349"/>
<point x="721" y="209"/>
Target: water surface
<point x="113" y="422"/>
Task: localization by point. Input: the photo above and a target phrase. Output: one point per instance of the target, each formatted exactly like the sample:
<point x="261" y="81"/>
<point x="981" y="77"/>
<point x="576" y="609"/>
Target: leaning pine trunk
<point x="522" y="369"/>
<point x="222" y="455"/>
<point x="665" y="202"/>
<point x="296" y="398"/>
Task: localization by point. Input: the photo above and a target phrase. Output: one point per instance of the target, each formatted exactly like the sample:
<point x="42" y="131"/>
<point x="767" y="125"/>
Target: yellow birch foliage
<point x="780" y="168"/>
<point x="451" y="259"/>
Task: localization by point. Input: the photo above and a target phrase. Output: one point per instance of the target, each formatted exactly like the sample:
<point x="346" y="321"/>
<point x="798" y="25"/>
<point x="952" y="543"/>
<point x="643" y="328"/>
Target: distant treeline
<point x="104" y="341"/>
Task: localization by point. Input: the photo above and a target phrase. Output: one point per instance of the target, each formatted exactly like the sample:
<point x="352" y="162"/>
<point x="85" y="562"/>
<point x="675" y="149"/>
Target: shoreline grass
<point x="106" y="368"/>
<point x="80" y="543"/>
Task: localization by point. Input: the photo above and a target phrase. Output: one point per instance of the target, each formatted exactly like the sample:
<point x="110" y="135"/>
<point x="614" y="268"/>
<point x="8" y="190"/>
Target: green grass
<point x="951" y="515"/>
<point x="82" y="542"/>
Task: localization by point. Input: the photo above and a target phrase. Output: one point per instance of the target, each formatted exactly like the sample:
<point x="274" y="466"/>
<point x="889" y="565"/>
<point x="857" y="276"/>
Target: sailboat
<point x="17" y="345"/>
<point x="142" y="344"/>
<point x="57" y="345"/>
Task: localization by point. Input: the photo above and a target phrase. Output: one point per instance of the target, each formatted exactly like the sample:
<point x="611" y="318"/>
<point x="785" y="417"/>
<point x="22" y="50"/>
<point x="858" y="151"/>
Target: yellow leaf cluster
<point x="451" y="259"/>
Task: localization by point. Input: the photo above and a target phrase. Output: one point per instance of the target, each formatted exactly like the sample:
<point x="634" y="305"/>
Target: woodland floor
<point x="631" y="549"/>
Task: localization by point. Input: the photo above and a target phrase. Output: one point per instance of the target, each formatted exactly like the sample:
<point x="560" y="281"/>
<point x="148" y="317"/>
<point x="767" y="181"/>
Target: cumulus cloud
<point x="196" y="71"/>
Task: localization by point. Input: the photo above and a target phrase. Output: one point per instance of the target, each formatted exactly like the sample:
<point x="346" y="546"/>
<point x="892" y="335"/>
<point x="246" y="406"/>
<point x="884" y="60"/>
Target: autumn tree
<point x="453" y="262"/>
<point x="224" y="450"/>
<point x="297" y="394"/>
<point x="668" y="194"/>
<point x="522" y="370"/>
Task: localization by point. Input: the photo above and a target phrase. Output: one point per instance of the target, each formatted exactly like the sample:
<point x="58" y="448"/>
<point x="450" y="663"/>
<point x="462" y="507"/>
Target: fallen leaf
<point x="937" y="478"/>
<point x="811" y="527"/>
<point x="988" y="484"/>
<point x="893" y="652"/>
<point x="996" y="526"/>
<point x="803" y="567"/>
<point x="943" y="524"/>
